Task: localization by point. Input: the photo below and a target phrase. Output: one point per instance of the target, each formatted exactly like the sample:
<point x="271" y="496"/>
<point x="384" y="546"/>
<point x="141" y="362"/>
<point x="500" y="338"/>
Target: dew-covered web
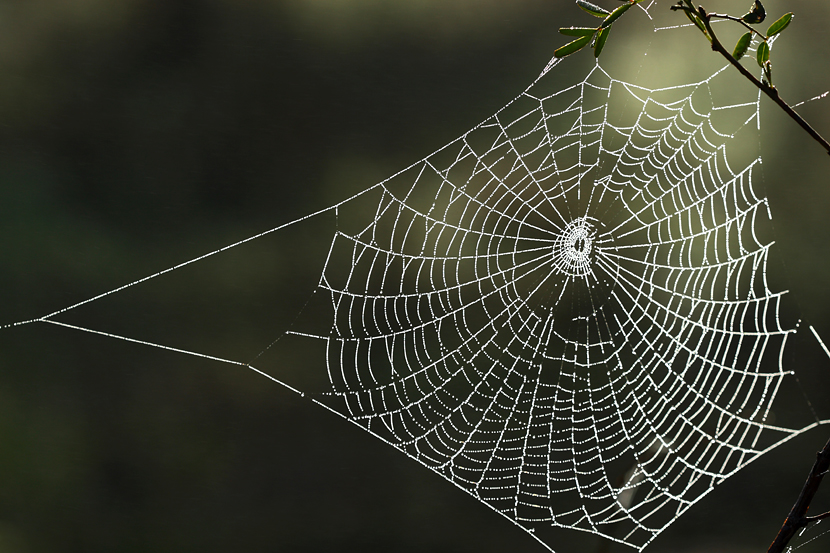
<point x="568" y="318"/>
<point x="565" y="312"/>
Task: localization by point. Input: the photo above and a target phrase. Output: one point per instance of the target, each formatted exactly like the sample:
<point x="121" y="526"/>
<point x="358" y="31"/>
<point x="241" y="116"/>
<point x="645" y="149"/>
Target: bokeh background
<point x="141" y="133"/>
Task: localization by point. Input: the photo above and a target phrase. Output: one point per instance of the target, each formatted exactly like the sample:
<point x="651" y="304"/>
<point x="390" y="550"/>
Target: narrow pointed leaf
<point x="577" y="31"/>
<point x="600" y="43"/>
<point x="572" y="47"/>
<point x="614" y="15"/>
<point x="742" y="46"/>
<point x="780" y="25"/>
<point x="763" y="54"/>
<point x="696" y="20"/>
<point x="593" y="9"/>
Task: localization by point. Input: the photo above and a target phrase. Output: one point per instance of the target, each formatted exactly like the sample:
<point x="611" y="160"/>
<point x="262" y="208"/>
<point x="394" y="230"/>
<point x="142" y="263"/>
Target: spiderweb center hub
<point x="573" y="248"/>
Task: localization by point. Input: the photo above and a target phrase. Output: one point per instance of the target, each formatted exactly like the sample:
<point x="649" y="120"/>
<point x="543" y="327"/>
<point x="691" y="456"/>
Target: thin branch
<point x="817" y="518"/>
<point x="798" y="519"/>
<point x="738" y="20"/>
<point x="768" y="89"/>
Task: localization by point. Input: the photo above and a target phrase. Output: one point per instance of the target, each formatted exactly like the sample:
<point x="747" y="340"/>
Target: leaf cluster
<point x="765" y="45"/>
<point x="595" y="36"/>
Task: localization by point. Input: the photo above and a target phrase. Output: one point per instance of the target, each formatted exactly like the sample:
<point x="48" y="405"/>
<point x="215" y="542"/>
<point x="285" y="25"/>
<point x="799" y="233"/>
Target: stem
<point x="737" y="20"/>
<point x="798" y="519"/>
<point x="817" y="518"/>
<point x="767" y="89"/>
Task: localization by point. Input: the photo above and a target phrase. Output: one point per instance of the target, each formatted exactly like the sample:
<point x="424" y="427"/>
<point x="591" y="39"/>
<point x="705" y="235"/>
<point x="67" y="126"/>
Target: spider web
<point x="566" y="311"/>
<point x="567" y="318"/>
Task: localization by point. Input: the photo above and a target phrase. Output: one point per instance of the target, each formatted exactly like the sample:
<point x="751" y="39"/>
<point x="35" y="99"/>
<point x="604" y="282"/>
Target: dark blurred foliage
<point x="138" y="134"/>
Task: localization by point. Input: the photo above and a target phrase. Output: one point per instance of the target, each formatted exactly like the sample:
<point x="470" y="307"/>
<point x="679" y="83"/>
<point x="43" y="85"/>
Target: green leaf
<point x="600" y="42"/>
<point x="577" y="31"/>
<point x="572" y="47"/>
<point x="742" y="46"/>
<point x="593" y="9"/>
<point x="780" y="25"/>
<point x="763" y="53"/>
<point x="614" y="15"/>
<point x="696" y="20"/>
<point x="756" y="14"/>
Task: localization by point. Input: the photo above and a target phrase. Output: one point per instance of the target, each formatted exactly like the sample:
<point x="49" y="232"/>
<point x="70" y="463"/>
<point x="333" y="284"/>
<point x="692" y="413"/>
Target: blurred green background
<point x="141" y="133"/>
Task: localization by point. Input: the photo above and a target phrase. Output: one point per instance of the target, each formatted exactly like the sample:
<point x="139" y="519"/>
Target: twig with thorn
<point x="798" y="519"/>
